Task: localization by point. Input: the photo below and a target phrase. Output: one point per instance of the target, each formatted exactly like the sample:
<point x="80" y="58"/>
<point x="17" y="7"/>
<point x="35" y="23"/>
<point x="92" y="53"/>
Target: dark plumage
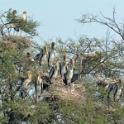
<point x="46" y="82"/>
<point x="51" y="72"/>
<point x="114" y="86"/>
<point x="75" y="77"/>
<point x="39" y="56"/>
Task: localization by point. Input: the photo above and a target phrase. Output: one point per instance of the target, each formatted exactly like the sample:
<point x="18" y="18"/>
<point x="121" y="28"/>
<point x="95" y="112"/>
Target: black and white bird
<point x="23" y="84"/>
<point x="69" y="73"/>
<point x="54" y="70"/>
<point x="45" y="55"/>
<point x="116" y="88"/>
<point x="51" y="54"/>
<point x="39" y="56"/>
<point x="113" y="86"/>
<point x="63" y="66"/>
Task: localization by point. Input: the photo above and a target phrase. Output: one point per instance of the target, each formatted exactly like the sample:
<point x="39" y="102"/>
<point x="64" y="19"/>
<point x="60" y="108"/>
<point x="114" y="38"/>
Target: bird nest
<point x="17" y="42"/>
<point x="74" y="92"/>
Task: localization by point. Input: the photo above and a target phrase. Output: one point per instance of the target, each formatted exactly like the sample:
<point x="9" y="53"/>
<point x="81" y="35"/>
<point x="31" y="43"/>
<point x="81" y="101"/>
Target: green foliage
<point x="7" y="66"/>
<point x="37" y="113"/>
<point x="28" y="26"/>
<point x="89" y="111"/>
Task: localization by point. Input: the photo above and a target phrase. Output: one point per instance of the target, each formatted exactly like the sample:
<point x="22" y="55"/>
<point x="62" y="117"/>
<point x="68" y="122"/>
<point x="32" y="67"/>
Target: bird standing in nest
<point x="69" y="73"/>
<point x="28" y="80"/>
<point x="51" y="55"/>
<point x="54" y="70"/>
<point x="63" y="66"/>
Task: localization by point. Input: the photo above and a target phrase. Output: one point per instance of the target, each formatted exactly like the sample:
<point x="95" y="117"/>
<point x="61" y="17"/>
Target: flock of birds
<point x="59" y="66"/>
<point x="64" y="68"/>
<point x="56" y="68"/>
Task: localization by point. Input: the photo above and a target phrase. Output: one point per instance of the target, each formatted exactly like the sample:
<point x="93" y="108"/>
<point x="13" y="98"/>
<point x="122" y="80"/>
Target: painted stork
<point x="115" y="87"/>
<point x="39" y="56"/>
<point x="69" y="73"/>
<point x="28" y="80"/>
<point x="51" y="54"/>
<point x="23" y="84"/>
<point x="63" y="66"/>
<point x="111" y="85"/>
<point x="43" y="82"/>
<point x="54" y="70"/>
<point x="45" y="55"/>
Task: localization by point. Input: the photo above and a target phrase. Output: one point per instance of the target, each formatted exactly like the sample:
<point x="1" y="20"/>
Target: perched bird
<point x="23" y="84"/>
<point x="111" y="85"/>
<point x="24" y="16"/>
<point x="46" y="82"/>
<point x="39" y="84"/>
<point x="63" y="66"/>
<point x="69" y="73"/>
<point x="51" y="54"/>
<point x="13" y="23"/>
<point x="14" y="16"/>
<point x="43" y="82"/>
<point x="54" y="70"/>
<point x="45" y="55"/>
<point x="28" y="80"/>
<point x="39" y="56"/>
<point x="116" y="88"/>
<point x="57" y="65"/>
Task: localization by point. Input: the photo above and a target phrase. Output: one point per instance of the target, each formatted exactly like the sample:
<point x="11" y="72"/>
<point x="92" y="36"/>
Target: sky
<point x="57" y="18"/>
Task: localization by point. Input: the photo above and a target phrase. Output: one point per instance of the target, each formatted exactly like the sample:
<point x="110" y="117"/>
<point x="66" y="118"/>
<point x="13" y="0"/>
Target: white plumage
<point x="24" y="16"/>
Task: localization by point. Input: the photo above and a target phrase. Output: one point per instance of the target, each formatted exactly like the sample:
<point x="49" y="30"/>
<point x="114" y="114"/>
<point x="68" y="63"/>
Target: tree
<point x="14" y="109"/>
<point x="11" y="22"/>
<point x="111" y="23"/>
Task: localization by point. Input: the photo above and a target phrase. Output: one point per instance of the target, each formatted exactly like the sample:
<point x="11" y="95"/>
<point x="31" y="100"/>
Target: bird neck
<point x="29" y="76"/>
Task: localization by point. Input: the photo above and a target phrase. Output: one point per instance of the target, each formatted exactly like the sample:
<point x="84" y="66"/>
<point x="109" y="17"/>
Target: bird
<point x="44" y="58"/>
<point x="39" y="56"/>
<point x="51" y="54"/>
<point x="28" y="80"/>
<point x="115" y="87"/>
<point x="43" y="82"/>
<point x="111" y="85"/>
<point x="24" y="84"/>
<point x="54" y="70"/>
<point x="24" y="16"/>
<point x="14" y="16"/>
<point x="63" y="66"/>
<point x="39" y="84"/>
<point x="69" y="73"/>
<point x="14" y="23"/>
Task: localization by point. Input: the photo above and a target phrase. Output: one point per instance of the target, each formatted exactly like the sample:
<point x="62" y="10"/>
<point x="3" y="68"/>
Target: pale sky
<point x="57" y="17"/>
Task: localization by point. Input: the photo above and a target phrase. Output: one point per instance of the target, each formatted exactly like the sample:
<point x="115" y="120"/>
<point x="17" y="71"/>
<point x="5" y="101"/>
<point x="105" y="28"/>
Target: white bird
<point x="24" y="16"/>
